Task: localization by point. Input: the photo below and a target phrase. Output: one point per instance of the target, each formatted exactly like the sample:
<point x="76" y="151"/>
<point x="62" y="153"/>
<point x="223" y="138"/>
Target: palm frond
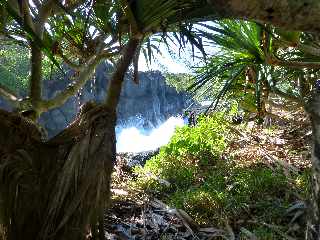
<point x="225" y="88"/>
<point x="240" y="48"/>
<point x="235" y="37"/>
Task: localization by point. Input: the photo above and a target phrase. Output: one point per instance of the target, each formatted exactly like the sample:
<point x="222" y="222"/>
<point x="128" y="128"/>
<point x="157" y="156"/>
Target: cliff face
<point x="145" y="105"/>
<point x="153" y="101"/>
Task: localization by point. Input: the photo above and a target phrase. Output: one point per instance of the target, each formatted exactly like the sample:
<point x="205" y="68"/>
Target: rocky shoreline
<point x="132" y="159"/>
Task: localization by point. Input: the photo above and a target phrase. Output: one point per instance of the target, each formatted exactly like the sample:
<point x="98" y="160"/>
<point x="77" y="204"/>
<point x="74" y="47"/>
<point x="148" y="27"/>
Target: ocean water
<point x="133" y="139"/>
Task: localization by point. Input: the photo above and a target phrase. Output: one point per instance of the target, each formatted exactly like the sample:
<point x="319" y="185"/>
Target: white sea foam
<point x="135" y="140"/>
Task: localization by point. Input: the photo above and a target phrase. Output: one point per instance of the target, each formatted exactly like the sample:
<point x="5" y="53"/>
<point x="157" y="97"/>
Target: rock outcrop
<point x="131" y="159"/>
<point x="144" y="106"/>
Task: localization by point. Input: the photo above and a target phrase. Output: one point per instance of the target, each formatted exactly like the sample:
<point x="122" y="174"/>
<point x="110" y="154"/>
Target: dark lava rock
<point x="136" y="159"/>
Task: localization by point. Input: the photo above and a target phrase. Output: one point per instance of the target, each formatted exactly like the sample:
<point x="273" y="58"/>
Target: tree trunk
<point x="287" y="14"/>
<point x="313" y="227"/>
<point x="55" y="189"/>
<point x="59" y="188"/>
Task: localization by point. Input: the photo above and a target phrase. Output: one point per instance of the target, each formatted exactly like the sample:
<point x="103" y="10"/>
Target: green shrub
<point x="216" y="190"/>
<point x="188" y="152"/>
<point x="236" y="194"/>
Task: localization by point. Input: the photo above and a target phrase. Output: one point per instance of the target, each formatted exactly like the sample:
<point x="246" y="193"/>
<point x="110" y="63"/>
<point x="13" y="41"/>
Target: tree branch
<point x="287" y="14"/>
<point x="36" y="76"/>
<point x="79" y="67"/>
<point x="44" y="13"/>
<point x="8" y="95"/>
<point x="292" y="64"/>
<point x="72" y="65"/>
<point x="115" y="84"/>
<point x="130" y="16"/>
<point x="71" y="90"/>
<point x="26" y="14"/>
<point x="36" y="55"/>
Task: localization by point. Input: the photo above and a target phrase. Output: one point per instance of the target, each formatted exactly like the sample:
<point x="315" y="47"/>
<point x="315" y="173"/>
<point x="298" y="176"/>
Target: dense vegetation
<point x="200" y="172"/>
<point x="14" y="67"/>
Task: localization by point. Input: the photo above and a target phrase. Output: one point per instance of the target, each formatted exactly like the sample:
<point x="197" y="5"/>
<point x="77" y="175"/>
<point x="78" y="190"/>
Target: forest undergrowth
<point x="218" y="180"/>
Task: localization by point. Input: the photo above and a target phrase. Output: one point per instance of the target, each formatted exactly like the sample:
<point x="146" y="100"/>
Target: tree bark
<point x="55" y="189"/>
<point x="85" y="74"/>
<point x="36" y="76"/>
<point x="9" y="95"/>
<point x="117" y="78"/>
<point x="287" y="14"/>
<point x="313" y="226"/>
